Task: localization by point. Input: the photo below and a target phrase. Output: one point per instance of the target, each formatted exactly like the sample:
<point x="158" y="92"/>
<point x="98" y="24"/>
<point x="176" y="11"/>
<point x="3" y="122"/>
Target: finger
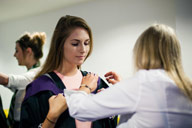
<point x="108" y="74"/>
<point x="52" y="97"/>
<point x="112" y="81"/>
<point x="96" y="76"/>
<point x="111" y="77"/>
<point x="93" y="74"/>
<point x="89" y="73"/>
<point x="60" y="95"/>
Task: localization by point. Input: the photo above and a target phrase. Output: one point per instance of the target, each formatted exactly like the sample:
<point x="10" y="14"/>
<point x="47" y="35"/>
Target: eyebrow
<point x="79" y="40"/>
<point x="74" y="40"/>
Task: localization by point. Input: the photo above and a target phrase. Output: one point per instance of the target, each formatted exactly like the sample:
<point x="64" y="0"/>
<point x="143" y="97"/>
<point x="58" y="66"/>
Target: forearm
<point x="90" y="107"/>
<point x="78" y="106"/>
<point x="4" y="79"/>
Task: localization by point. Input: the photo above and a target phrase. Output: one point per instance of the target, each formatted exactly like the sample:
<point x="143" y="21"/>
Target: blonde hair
<point x="63" y="29"/>
<point x="158" y="47"/>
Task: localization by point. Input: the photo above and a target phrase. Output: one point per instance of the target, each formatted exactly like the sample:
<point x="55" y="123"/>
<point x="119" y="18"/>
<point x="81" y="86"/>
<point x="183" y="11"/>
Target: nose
<point x="14" y="54"/>
<point x="82" y="48"/>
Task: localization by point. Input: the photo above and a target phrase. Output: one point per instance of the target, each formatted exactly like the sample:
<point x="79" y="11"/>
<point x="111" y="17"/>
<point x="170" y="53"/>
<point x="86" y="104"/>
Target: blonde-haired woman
<point x="159" y="95"/>
<point x="28" y="51"/>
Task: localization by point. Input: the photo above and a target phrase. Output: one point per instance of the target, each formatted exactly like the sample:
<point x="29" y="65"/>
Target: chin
<point x="80" y="63"/>
<point x="20" y="64"/>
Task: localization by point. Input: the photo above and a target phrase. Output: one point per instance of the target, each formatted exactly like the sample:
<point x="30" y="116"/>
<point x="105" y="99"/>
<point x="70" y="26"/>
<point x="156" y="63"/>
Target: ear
<point x="29" y="51"/>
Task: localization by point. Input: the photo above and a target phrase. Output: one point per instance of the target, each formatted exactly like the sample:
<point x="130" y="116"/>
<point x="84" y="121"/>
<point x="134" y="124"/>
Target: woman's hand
<point x="4" y="79"/>
<point x="89" y="83"/>
<point x="112" y="77"/>
<point x="57" y="105"/>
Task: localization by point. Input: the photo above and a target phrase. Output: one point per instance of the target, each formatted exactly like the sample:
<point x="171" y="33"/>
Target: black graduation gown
<point x="35" y="105"/>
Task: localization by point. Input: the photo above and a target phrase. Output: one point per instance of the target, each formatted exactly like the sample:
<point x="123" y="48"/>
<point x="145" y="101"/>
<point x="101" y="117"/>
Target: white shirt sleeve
<point x="21" y="81"/>
<point x="117" y="99"/>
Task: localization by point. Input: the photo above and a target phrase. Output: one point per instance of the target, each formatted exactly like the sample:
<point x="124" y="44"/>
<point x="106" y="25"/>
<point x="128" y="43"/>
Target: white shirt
<point x="149" y="99"/>
<point x="20" y="82"/>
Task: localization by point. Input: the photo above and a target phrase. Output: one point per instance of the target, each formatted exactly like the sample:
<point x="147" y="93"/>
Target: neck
<point x="30" y="65"/>
<point x="67" y="69"/>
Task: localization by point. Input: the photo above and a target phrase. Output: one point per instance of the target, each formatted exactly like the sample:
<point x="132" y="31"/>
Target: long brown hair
<point x="62" y="31"/>
<point x="158" y="47"/>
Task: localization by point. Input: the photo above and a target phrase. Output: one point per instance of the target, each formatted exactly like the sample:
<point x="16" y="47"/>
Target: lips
<point x="81" y="57"/>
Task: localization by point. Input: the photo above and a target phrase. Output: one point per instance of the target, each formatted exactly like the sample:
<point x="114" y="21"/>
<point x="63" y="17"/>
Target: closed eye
<point x="75" y="44"/>
<point x="87" y="42"/>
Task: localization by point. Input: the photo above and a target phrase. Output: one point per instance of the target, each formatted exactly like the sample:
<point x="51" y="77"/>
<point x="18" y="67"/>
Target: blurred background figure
<point x="28" y="51"/>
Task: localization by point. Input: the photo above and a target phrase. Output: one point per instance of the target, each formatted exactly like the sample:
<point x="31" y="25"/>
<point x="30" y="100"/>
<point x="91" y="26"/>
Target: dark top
<point x="35" y="105"/>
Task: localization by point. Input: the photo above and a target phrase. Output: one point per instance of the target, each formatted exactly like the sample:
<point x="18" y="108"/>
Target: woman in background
<point x="159" y="95"/>
<point x="71" y="45"/>
<point x="28" y="52"/>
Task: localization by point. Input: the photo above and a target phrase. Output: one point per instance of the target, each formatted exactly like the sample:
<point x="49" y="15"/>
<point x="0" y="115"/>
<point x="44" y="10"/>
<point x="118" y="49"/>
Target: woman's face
<point x="19" y="54"/>
<point x="76" y="47"/>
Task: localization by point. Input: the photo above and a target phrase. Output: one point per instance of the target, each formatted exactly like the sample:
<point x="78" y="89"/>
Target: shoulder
<point x="152" y="75"/>
<point x="154" y="79"/>
<point x="42" y="83"/>
<point x="42" y="80"/>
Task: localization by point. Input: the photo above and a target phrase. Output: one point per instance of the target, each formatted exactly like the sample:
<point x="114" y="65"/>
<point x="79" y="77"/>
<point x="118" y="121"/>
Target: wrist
<point x="50" y="120"/>
<point x="52" y="117"/>
<point x="85" y="88"/>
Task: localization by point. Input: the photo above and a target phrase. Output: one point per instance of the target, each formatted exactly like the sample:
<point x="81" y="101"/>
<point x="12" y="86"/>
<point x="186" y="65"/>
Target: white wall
<point x="116" y="24"/>
<point x="184" y="31"/>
